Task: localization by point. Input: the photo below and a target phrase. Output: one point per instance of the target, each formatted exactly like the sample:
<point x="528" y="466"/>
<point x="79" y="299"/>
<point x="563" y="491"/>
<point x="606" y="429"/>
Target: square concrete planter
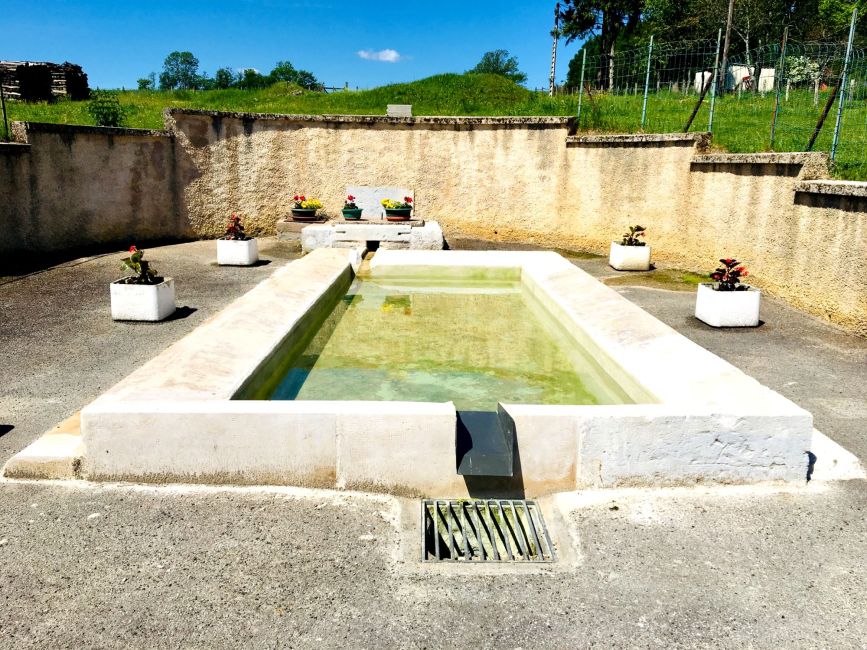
<point x="148" y="302"/>
<point x="727" y="308"/>
<point x="629" y="258"/>
<point x="237" y="252"/>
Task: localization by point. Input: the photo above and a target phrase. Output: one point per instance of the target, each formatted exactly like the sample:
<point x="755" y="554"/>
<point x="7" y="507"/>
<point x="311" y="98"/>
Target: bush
<point x="105" y="109"/>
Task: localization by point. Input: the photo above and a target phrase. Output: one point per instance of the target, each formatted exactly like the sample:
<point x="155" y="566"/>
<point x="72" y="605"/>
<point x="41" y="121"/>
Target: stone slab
<point x="398" y="110"/>
<point x="57" y="454"/>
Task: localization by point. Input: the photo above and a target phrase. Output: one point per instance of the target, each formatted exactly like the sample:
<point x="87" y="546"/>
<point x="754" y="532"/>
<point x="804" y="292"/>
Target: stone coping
<point x="700" y="139"/>
<point x="782" y="158"/>
<point x="15" y="147"/>
<point x="521" y="120"/>
<point x="21" y="129"/>
<point x="838" y="188"/>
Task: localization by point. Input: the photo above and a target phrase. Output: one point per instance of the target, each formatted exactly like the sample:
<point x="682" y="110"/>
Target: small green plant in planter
<point x="145" y="295"/>
<point x="136" y="263"/>
<point x="728" y="276"/>
<point x="398" y="210"/>
<point x="305" y="209"/>
<point x="350" y="210"/>
<point x="632" y="238"/>
<point x="727" y="302"/>
<point x="631" y="253"/>
<point x="235" y="247"/>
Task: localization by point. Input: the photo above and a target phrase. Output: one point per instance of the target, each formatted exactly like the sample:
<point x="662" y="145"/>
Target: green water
<point x="472" y="343"/>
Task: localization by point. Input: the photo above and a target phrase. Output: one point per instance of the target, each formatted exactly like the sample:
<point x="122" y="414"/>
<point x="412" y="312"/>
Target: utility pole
<point x="556" y="35"/>
<point x="724" y="69"/>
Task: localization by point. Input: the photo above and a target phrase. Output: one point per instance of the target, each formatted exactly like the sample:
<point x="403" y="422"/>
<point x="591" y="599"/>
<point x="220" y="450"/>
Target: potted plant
<point x="726" y="302"/>
<point x="631" y="254"/>
<point x="398" y="210"/>
<point x="304" y="208"/>
<point x="235" y="248"/>
<point x="143" y="295"/>
<point x="350" y="210"/>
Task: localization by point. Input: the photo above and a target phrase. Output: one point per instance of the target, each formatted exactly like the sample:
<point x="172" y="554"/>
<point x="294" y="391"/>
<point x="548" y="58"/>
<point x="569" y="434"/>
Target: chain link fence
<point x="781" y="97"/>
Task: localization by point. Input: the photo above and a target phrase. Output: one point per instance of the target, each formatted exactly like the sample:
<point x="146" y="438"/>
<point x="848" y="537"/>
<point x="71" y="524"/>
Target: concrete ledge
<point x="57" y="454"/>
<point x="856" y="189"/>
<point x="813" y="165"/>
<point x="421" y="120"/>
<point x="699" y="139"/>
<point x="14" y="148"/>
<point x="21" y="129"/>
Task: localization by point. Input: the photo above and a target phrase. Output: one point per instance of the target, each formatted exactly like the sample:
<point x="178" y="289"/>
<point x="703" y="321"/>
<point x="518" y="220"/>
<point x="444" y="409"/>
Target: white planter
<point x="727" y="308"/>
<point x="629" y="258"/>
<point x="150" y="302"/>
<point x="235" y="252"/>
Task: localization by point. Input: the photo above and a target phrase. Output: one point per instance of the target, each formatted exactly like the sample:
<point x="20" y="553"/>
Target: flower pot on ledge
<point x="142" y="302"/>
<point x="398" y="214"/>
<point x="237" y="252"/>
<point x="352" y="214"/>
<point x="304" y="214"/>
<point x="727" y="308"/>
<point x="629" y="258"/>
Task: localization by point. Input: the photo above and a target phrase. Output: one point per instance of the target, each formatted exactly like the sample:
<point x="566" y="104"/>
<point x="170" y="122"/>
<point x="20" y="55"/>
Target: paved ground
<point x="123" y="566"/>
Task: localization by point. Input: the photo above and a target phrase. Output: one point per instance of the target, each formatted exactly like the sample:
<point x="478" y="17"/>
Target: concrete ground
<point x="85" y="565"/>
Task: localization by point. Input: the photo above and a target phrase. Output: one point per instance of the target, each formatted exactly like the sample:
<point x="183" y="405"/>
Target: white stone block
<point x="237" y="252"/>
<point x="629" y="258"/>
<point x="313" y="237"/>
<point x="428" y="237"/>
<point x="146" y="302"/>
<point x="727" y="308"/>
<point x="398" y="110"/>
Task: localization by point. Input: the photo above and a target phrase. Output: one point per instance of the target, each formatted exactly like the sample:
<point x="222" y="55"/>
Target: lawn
<point x="741" y="123"/>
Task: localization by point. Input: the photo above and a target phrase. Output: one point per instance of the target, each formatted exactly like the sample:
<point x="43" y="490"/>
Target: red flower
<point x="745" y="274"/>
<point x="295" y="198"/>
<point x="740" y="269"/>
<point x="350" y="198"/>
<point x="302" y="198"/>
<point x="133" y="249"/>
<point x="407" y="199"/>
<point x="728" y="260"/>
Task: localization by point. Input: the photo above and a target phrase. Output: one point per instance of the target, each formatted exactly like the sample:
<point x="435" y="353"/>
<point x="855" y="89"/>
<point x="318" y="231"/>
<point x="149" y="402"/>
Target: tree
<point x="306" y="80"/>
<point x="501" y="63"/>
<point x="251" y="78"/>
<point x="180" y="72"/>
<point x="148" y="83"/>
<point x="283" y="71"/>
<point x="224" y="78"/>
<point x="604" y="19"/>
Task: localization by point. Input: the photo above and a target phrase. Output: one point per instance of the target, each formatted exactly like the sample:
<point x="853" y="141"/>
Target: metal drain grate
<point x="484" y="530"/>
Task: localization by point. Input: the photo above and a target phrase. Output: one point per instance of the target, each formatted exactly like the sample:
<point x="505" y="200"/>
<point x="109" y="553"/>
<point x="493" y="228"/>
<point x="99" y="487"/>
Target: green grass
<point x="741" y="124"/>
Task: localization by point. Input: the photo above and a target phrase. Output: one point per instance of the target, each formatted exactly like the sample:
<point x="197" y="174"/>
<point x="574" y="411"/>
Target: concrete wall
<point x="79" y="186"/>
<point x="518" y="179"/>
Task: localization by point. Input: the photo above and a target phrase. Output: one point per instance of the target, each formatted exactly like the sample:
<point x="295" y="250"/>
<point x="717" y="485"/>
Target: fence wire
<point x="779" y="97"/>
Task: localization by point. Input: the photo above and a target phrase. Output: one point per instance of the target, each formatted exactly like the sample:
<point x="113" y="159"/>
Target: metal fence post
<point x="581" y="87"/>
<point x="777" y="81"/>
<point x="716" y="75"/>
<point x="646" y="83"/>
<point x="6" y="134"/>
<point x="843" y="80"/>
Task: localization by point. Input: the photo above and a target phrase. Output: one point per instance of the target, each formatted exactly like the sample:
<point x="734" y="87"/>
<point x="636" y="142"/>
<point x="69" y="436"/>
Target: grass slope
<point x="741" y="124"/>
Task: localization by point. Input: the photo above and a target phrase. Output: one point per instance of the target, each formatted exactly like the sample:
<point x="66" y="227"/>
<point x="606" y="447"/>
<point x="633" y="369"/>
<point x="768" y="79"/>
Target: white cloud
<point x="387" y="55"/>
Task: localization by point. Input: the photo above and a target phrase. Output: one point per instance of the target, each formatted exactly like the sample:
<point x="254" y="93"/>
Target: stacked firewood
<point x="33" y="81"/>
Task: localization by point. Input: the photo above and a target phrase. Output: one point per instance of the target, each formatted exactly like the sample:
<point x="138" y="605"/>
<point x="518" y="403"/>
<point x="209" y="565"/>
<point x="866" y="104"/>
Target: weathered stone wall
<point x="521" y="179"/>
<point x="78" y="186"/>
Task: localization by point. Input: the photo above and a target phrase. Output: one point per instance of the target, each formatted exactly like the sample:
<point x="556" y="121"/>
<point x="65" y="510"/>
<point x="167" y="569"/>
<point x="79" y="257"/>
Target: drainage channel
<point x="484" y="530"/>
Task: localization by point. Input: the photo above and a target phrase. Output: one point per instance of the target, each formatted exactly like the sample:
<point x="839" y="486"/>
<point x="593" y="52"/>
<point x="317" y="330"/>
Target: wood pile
<point x="34" y="81"/>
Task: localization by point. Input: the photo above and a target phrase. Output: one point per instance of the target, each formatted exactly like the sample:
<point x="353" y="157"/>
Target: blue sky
<point x="119" y="41"/>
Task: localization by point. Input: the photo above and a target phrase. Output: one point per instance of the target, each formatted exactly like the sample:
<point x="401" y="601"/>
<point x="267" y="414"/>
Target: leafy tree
<point x="306" y="80"/>
<point x="283" y="71"/>
<point x="501" y="63"/>
<point x="180" y="72"/>
<point x="250" y="79"/>
<point x="105" y="109"/>
<point x="224" y="78"/>
<point x="604" y="19"/>
<point x="148" y="83"/>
